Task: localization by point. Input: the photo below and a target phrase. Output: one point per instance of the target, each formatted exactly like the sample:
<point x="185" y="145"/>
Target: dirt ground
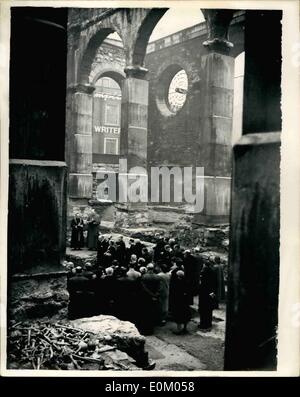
<point x="194" y="351"/>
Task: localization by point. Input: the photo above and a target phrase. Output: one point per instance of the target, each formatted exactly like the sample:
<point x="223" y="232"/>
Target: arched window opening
<point x="106" y="117"/>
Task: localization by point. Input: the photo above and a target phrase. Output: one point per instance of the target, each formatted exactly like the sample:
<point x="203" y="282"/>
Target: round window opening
<point x="177" y="91"/>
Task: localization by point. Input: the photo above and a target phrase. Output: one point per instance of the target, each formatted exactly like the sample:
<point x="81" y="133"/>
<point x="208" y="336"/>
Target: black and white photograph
<point x="150" y="188"/>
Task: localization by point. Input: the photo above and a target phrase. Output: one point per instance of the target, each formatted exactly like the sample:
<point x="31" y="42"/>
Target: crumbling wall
<point x="42" y="295"/>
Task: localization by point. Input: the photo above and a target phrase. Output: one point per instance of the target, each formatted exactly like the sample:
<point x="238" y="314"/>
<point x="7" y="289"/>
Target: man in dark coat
<point x="177" y="265"/>
<point x="199" y="261"/>
<point x="191" y="276"/>
<point x="121" y="251"/>
<point x="126" y="297"/>
<point x="218" y="268"/>
<point x="166" y="256"/>
<point x="178" y="252"/>
<point x="181" y="309"/>
<point x="107" y="292"/>
<point x="102" y="246"/>
<point x="150" y="290"/>
<point x="207" y="296"/>
<point x="77" y="287"/>
<point x="93" y="230"/>
<point x="158" y="248"/>
<point x="77" y="239"/>
<point x="138" y="247"/>
<point x="146" y="255"/>
<point x="130" y="250"/>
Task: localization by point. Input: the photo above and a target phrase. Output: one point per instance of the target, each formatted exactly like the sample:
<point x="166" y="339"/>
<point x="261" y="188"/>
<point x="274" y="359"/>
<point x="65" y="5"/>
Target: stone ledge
<point x="24" y="276"/>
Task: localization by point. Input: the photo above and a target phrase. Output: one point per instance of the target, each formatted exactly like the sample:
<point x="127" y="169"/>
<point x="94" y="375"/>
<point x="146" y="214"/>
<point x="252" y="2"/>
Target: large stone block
<point x="37" y="212"/>
<point x="111" y="330"/>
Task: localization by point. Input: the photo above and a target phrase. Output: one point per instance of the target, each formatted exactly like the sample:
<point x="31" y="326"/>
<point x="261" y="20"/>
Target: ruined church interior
<point x="114" y="95"/>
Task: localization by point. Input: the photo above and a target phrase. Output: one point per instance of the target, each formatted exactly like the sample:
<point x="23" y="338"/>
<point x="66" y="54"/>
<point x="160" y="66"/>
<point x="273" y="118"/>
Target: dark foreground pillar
<point x="253" y="287"/>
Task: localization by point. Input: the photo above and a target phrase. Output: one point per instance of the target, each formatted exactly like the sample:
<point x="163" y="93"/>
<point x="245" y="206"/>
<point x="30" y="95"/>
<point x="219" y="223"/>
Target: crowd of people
<point x="146" y="286"/>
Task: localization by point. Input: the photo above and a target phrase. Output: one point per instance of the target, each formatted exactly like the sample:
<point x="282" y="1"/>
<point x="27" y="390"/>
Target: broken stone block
<point x="112" y="331"/>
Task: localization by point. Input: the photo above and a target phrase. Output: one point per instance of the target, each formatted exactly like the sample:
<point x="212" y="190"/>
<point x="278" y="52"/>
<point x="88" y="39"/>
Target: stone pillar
<point x="134" y="124"/>
<point x="252" y="302"/>
<point x="134" y="119"/>
<point x="216" y="108"/>
<point x="79" y="131"/>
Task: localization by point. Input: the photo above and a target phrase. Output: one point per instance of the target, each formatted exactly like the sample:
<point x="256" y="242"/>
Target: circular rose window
<point x="177" y="91"/>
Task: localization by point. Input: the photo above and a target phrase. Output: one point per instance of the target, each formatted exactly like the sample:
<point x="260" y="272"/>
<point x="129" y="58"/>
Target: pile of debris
<point x="216" y="237"/>
<point x="58" y="346"/>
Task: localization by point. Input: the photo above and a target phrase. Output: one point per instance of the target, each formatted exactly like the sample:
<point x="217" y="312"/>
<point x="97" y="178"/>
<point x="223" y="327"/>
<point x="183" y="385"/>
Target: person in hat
<point x="218" y="268"/>
<point x="181" y="309"/>
<point x="177" y="265"/>
<point x="150" y="289"/>
<point x="207" y="296"/>
<point x="77" y="238"/>
<point x="93" y="223"/>
<point x="191" y="276"/>
<point x="164" y="275"/>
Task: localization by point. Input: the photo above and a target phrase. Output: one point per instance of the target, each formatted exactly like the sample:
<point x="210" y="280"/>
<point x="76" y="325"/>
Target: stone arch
<point x="92" y="41"/>
<point x="106" y="70"/>
<point x="144" y="33"/>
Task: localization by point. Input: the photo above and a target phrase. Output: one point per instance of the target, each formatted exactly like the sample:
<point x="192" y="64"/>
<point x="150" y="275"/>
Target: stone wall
<point x="37" y="210"/>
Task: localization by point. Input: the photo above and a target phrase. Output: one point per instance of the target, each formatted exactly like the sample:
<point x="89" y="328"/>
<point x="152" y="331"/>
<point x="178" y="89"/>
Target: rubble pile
<point x="57" y="346"/>
<point x="216" y="236"/>
<point x="190" y="236"/>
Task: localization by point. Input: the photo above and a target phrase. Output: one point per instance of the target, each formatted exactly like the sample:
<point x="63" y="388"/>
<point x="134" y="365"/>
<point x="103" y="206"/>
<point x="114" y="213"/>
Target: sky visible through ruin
<point x="174" y="20"/>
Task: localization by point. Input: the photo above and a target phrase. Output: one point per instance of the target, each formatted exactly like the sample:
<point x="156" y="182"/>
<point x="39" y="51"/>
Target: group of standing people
<point x="78" y="226"/>
<point x="146" y="286"/>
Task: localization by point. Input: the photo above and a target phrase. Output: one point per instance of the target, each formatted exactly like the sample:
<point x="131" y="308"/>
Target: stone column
<point x="216" y="108"/>
<point x="134" y="117"/>
<point x="80" y="102"/>
<point x="252" y="302"/>
<point x="134" y="124"/>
